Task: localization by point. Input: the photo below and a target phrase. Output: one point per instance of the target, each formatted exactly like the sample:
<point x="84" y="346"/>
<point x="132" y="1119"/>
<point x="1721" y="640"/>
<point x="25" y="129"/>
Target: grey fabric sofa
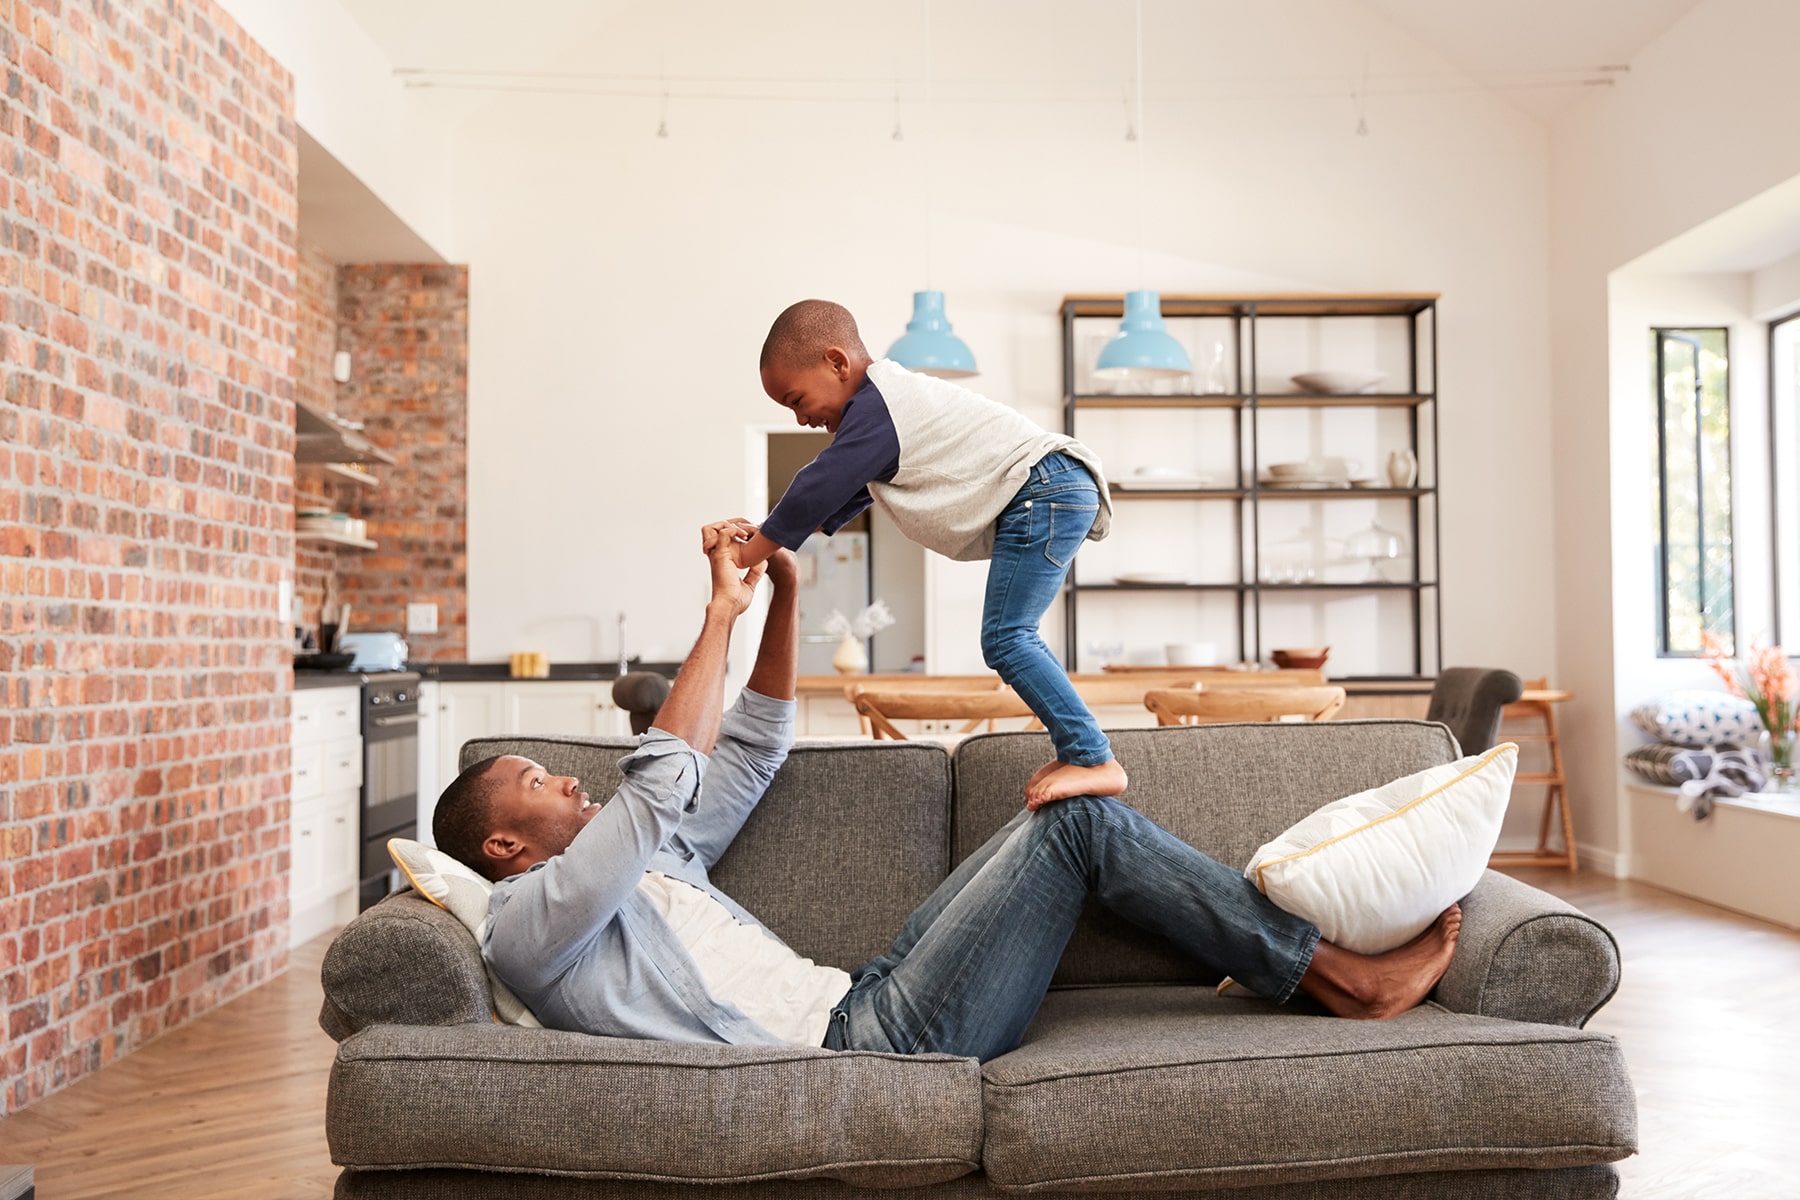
<point x="1135" y="1078"/>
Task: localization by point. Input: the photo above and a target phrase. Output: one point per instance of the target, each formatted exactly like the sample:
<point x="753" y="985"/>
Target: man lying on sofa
<point x="603" y="919"/>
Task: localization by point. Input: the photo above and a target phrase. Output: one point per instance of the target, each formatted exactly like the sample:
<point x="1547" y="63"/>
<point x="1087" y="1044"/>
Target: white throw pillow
<point x="1698" y="718"/>
<point x="1373" y="870"/>
<point x="463" y="894"/>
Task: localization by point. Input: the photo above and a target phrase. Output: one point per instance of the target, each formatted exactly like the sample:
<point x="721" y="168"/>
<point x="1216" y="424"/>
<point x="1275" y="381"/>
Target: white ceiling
<point x="1534" y="53"/>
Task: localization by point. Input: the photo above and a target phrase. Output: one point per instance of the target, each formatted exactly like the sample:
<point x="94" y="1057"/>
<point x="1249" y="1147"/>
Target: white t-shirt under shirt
<point x="790" y="996"/>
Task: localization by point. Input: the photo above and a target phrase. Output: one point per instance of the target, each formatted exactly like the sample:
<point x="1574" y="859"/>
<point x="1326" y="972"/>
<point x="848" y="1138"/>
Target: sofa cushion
<point x="848" y="840"/>
<point x="1158" y="1087"/>
<point x="502" y="1098"/>
<point x="1567" y="1183"/>
<point x="1226" y="789"/>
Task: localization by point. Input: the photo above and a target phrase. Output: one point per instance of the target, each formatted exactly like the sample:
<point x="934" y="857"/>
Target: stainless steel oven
<point x="390" y="790"/>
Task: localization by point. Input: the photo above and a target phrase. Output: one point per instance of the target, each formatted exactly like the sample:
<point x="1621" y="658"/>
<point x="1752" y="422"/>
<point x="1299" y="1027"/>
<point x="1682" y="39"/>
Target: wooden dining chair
<point x="1282" y="677"/>
<point x="1174" y="706"/>
<point x="1099" y="691"/>
<point x="882" y="707"/>
<point x="921" y="683"/>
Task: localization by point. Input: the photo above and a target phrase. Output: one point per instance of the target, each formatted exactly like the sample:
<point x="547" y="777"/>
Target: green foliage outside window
<point x="1691" y="489"/>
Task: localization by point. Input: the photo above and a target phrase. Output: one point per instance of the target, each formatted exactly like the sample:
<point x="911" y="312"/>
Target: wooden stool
<point x="1539" y="701"/>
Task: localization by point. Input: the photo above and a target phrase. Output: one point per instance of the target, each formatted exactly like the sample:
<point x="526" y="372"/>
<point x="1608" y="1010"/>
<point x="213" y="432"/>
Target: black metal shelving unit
<point x="1248" y="494"/>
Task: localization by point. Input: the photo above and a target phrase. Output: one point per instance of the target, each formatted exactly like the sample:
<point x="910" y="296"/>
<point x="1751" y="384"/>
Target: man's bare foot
<point x="1067" y="779"/>
<point x="1374" y="987"/>
<point x="1037" y="776"/>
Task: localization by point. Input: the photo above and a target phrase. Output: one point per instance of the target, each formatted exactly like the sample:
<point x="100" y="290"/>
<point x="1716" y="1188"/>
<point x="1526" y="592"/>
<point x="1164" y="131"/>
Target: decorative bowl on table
<point x="1339" y="383"/>
<point x="1304" y="658"/>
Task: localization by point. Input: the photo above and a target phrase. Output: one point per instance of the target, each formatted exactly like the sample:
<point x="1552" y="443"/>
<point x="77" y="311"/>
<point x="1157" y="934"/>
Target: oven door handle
<point x="385" y="722"/>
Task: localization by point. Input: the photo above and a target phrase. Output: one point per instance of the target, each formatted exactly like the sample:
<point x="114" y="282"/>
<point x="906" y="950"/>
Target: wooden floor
<point x="232" y="1105"/>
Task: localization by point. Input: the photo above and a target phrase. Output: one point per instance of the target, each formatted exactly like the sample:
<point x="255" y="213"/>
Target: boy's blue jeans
<point x="1035" y="540"/>
<point x="972" y="964"/>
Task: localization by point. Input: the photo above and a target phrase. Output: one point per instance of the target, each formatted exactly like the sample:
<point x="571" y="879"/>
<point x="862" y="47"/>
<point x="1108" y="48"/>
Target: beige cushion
<point x="1374" y="869"/>
<point x="463" y="894"/>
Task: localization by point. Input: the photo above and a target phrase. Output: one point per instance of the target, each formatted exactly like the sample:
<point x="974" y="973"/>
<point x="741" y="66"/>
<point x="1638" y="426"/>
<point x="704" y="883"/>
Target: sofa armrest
<point x="403" y="962"/>
<point x="1527" y="956"/>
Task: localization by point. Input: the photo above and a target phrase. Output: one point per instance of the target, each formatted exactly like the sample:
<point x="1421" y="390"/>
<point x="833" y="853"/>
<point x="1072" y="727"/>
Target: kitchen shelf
<point x="1316" y="586"/>
<point x="1120" y="492"/>
<point x="1275" y="400"/>
<point x="320" y="438"/>
<point x="1406" y="416"/>
<point x="337" y="539"/>
<point x="345" y="471"/>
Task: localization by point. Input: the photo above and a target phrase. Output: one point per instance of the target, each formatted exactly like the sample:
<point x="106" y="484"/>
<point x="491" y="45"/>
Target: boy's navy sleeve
<point x="834" y="487"/>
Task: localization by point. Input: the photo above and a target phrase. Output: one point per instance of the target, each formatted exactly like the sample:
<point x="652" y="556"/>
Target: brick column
<point x="147" y="325"/>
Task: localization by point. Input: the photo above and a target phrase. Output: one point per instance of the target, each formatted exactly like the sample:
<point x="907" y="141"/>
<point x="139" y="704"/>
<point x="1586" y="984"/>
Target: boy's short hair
<point x="464" y="816"/>
<point x="805" y="330"/>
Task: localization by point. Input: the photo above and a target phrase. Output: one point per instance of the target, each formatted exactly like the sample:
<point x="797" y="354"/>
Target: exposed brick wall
<point x="147" y="324"/>
<point x="406" y="327"/>
<point x="316" y="302"/>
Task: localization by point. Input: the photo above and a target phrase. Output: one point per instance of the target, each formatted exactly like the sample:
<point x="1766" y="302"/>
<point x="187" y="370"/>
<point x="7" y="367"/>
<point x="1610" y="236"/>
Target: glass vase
<point x="1778" y="751"/>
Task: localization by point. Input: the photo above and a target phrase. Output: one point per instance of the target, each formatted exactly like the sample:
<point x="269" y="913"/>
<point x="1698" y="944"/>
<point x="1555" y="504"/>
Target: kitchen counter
<point x="305" y="680"/>
<point x="835" y="684"/>
<point x="499" y="672"/>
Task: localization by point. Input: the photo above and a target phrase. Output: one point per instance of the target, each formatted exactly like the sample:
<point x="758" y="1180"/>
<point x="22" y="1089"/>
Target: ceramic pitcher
<point x="1402" y="468"/>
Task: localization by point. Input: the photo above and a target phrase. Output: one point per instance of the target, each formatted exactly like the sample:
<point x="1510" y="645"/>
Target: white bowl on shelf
<point x="1339" y="383"/>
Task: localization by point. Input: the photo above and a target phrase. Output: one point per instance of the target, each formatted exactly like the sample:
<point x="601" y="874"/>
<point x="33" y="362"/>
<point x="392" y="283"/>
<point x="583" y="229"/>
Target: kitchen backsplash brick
<point x="147" y="333"/>
<point x="406" y="327"/>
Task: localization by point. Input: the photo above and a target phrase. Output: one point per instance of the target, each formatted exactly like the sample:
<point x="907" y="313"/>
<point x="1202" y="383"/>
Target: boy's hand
<point x="731" y="588"/>
<point x="737" y="529"/>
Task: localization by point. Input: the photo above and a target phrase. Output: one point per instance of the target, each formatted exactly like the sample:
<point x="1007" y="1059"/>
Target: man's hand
<point x="731" y="589"/>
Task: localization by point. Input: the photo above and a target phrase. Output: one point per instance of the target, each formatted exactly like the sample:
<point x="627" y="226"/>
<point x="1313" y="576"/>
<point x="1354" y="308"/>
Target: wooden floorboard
<point x="232" y="1105"/>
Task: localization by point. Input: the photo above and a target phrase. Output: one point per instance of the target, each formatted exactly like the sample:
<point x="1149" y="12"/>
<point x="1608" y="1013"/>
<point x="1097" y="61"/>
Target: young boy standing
<point x="959" y="474"/>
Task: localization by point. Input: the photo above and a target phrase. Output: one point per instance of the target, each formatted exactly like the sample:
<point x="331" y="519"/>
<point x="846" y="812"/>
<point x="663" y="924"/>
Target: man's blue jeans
<point x="1035" y="540"/>
<point x="972" y="964"/>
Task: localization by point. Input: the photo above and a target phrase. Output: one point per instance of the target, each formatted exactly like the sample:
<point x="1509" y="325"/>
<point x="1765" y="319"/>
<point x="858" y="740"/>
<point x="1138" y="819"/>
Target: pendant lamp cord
<point x="930" y="125"/>
<point x="1142" y="233"/>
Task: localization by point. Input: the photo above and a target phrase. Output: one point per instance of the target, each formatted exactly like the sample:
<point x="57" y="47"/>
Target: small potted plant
<point x="851" y="658"/>
<point x="1766" y="679"/>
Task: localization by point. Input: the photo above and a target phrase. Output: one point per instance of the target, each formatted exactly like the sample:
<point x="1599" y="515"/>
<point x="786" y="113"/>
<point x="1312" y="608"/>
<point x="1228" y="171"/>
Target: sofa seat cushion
<point x="503" y="1098"/>
<point x="1153" y="1088"/>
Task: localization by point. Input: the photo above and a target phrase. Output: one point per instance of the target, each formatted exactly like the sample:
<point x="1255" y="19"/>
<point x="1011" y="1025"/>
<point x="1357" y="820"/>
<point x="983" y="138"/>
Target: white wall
<point x="621" y="284"/>
<point x="347" y="98"/>
<point x="1621" y="185"/>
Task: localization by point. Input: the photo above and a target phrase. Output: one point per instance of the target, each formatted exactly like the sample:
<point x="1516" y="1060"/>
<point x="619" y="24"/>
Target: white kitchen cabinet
<point x="465" y="711"/>
<point x="323" y="855"/>
<point x="575" y="707"/>
<point x="525" y="708"/>
<point x="431" y="781"/>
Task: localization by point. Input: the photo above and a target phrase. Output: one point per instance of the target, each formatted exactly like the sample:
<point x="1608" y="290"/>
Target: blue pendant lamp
<point x="929" y="346"/>
<point x="1143" y="348"/>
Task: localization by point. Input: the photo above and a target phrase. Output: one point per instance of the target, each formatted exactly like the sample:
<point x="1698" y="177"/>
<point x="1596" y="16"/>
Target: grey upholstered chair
<point x="641" y="695"/>
<point x="1469" y="700"/>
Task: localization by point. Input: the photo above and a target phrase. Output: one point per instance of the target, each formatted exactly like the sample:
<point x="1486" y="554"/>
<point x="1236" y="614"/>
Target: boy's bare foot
<point x="1037" y="776"/>
<point x="1102" y="779"/>
<point x="1374" y="987"/>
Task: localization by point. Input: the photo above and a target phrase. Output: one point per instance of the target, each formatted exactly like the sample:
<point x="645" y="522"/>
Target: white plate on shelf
<point x="1150" y="577"/>
<point x="1167" y="483"/>
<point x="1339" y="383"/>
<point x="1304" y="482"/>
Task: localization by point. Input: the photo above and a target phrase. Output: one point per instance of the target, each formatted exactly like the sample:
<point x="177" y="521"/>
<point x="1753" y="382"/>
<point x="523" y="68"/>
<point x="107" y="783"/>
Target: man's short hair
<point x="806" y="330"/>
<point x="465" y="815"/>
